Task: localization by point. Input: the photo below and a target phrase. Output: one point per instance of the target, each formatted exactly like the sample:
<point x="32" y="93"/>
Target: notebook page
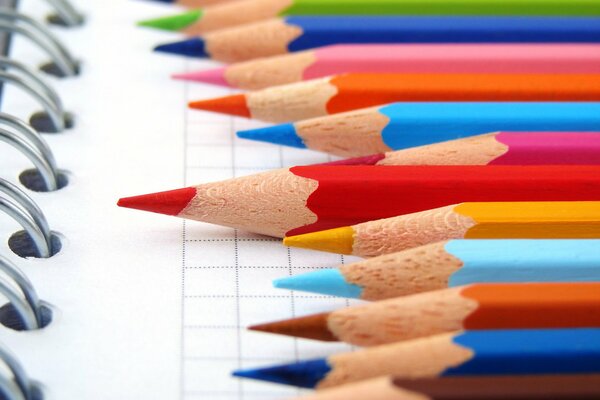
<point x="149" y="305"/>
<point x="116" y="295"/>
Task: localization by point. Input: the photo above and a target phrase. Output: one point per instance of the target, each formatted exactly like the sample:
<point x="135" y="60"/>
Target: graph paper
<point x="148" y="306"/>
<point x="227" y="274"/>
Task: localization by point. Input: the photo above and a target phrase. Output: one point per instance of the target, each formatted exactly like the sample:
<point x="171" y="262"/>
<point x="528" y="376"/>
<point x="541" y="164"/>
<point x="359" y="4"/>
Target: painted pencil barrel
<point x="473" y="307"/>
<point x="502" y="148"/>
<point x="404" y="125"/>
<point x="403" y="58"/>
<point x="471" y="353"/>
<point x="349" y="92"/>
<point x="308" y="199"/>
<point x="454" y="263"/>
<point x="474" y="220"/>
<point x="291" y="34"/>
<point x="517" y="387"/>
<point x="240" y="12"/>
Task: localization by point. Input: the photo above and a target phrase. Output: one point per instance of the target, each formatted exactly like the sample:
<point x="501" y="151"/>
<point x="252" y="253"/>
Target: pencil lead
<point x="171" y="202"/>
<point x="214" y="76"/>
<point x="309" y="327"/>
<point x="173" y="22"/>
<point x="194" y="47"/>
<point x="325" y="281"/>
<point x="284" y="134"/>
<point x="337" y="240"/>
<point x="306" y="374"/>
<point x="230" y="105"/>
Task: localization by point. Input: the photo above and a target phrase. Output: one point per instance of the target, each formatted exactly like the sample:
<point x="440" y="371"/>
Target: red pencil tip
<point x="232" y="105"/>
<point x="171" y="202"/>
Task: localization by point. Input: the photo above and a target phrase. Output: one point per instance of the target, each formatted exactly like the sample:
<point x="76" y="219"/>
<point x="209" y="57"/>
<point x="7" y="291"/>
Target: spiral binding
<point x="24" y="310"/>
<point x="16" y="386"/>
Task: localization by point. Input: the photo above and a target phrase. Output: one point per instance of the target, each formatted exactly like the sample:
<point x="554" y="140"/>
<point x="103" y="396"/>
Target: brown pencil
<point x="517" y="387"/>
<point x="473" y="307"/>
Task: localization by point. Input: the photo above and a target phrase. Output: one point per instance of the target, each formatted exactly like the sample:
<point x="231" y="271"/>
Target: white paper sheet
<point x="147" y="306"/>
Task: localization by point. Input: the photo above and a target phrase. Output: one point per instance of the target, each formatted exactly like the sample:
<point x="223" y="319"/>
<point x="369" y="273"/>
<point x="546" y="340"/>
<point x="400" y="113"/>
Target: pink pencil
<point x="404" y="58"/>
<point x="500" y="148"/>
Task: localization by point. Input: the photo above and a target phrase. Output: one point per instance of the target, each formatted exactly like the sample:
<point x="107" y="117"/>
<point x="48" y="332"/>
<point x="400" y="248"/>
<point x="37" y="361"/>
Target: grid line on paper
<point x="183" y="249"/>
<point x="227" y="275"/>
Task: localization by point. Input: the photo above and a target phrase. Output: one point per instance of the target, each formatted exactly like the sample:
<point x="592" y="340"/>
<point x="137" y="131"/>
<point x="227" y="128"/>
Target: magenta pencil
<point x="403" y="58"/>
<point x="499" y="148"/>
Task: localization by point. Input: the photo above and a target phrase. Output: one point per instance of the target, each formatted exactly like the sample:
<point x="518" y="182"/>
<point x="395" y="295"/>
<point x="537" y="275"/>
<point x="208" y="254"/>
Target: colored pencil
<point x="516" y="387"/>
<point x="500" y="148"/>
<point x="454" y="263"/>
<point x="348" y="92"/>
<point x="240" y="12"/>
<point x="473" y="307"/>
<point x="290" y="34"/>
<point x="403" y="125"/>
<point x="403" y="58"/>
<point x="307" y="199"/>
<point x="494" y="352"/>
<point x="475" y="220"/>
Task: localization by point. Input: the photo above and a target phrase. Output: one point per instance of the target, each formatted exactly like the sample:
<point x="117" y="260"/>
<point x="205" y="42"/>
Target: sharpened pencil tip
<point x="173" y="22"/>
<point x="171" y="202"/>
<point x="194" y="47"/>
<point x="284" y="134"/>
<point x="328" y="281"/>
<point x="309" y="327"/>
<point x="212" y="76"/>
<point x="305" y="374"/>
<point x="230" y="105"/>
<point x="338" y="240"/>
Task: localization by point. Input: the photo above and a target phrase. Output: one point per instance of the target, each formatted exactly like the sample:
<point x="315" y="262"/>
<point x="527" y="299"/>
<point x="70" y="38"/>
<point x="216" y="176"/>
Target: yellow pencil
<point x="477" y="220"/>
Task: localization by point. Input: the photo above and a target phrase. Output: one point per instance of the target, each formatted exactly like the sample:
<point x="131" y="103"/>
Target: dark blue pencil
<point x="500" y="352"/>
<point x="279" y="36"/>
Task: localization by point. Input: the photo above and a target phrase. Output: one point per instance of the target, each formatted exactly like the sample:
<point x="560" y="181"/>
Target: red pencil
<point x="306" y="199"/>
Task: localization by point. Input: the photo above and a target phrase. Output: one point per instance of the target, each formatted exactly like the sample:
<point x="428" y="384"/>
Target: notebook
<point x="147" y="306"/>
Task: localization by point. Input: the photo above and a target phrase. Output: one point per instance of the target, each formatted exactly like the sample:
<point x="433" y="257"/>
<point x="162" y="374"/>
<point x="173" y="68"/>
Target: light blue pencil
<point x="454" y="263"/>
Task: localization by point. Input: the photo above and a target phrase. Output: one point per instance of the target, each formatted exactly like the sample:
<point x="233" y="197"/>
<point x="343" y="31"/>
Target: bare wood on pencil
<point x="250" y="41"/>
<point x="338" y="134"/>
<point x="476" y="150"/>
<point x="411" y="271"/>
<point x="280" y="70"/>
<point x="236" y="13"/>
<point x="416" y="316"/>
<point x="413" y="359"/>
<point x="301" y="100"/>
<point x="372" y="389"/>
<point x="416" y="229"/>
<point x="214" y="202"/>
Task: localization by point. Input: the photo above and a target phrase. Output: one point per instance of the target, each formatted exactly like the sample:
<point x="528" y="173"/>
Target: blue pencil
<point x="279" y="36"/>
<point x="454" y="263"/>
<point x="402" y="125"/>
<point x="500" y="352"/>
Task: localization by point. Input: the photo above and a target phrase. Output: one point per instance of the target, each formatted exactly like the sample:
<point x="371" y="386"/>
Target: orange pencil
<point x="473" y="307"/>
<point x="347" y="92"/>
